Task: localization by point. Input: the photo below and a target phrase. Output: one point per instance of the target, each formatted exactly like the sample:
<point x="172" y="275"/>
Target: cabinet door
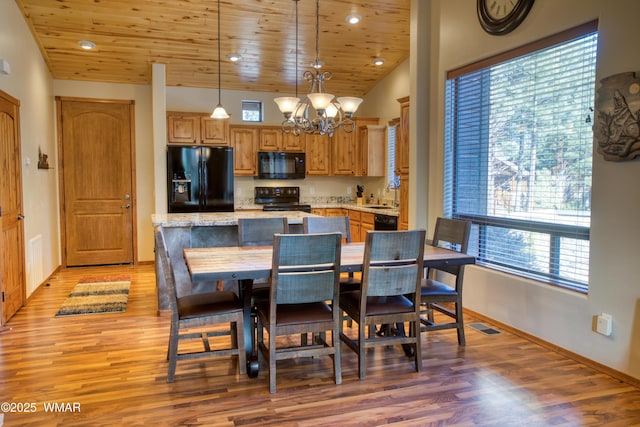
<point x="214" y="131"/>
<point x="244" y="142"/>
<point x="354" y="225"/>
<point x="372" y="150"/>
<point x="366" y="224"/>
<point x="290" y="142"/>
<point x="402" y="141"/>
<point x="183" y="129"/>
<point x="318" y="154"/>
<point x="270" y="139"/>
<point x="403" y="198"/>
<point x="344" y="150"/>
<point x="334" y="212"/>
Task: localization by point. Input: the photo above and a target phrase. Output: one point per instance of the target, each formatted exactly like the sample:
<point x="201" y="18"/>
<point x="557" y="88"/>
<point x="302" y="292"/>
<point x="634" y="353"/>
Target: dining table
<point x="248" y="263"/>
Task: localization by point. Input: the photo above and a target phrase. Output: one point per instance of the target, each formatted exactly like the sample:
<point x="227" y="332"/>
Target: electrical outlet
<point x="604" y="324"/>
<point x="348" y="190"/>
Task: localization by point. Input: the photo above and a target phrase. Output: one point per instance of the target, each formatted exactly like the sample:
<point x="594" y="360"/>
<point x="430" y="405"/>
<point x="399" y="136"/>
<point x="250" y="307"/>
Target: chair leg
<point x="272" y="361"/>
<point x="362" y="350"/>
<point x="460" y="321"/>
<point x="173" y="352"/>
<point x="414" y="330"/>
<point x="242" y="354"/>
<point x="337" y="364"/>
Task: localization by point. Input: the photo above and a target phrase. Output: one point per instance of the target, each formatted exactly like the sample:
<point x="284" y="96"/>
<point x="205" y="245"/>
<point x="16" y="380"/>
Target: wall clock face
<point x="502" y="16"/>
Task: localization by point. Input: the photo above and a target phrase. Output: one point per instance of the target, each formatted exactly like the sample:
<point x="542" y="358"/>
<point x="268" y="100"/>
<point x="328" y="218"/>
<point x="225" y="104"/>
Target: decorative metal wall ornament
<point x="616" y="127"/>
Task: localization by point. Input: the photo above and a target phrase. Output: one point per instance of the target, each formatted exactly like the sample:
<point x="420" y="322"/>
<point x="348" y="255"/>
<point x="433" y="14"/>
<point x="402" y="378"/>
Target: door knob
<point x="127" y="206"/>
<point x="20" y="217"/>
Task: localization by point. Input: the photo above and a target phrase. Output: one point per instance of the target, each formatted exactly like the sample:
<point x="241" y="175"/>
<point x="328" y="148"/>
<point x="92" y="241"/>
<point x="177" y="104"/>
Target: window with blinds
<point x="518" y="156"/>
<point x="393" y="181"/>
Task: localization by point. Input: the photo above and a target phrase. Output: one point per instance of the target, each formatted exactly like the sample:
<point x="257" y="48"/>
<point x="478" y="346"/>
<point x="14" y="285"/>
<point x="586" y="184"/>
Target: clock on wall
<point x="502" y="16"/>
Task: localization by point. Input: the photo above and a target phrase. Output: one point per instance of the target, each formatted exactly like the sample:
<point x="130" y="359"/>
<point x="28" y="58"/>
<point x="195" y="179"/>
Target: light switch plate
<point x="604" y="324"/>
<point x="5" y="68"/>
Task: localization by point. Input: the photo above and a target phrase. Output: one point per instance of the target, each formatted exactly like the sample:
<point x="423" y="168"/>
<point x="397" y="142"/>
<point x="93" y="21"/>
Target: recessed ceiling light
<point x="87" y="45"/>
<point x="377" y="61"/>
<point x="233" y="57"/>
<point x="353" y="18"/>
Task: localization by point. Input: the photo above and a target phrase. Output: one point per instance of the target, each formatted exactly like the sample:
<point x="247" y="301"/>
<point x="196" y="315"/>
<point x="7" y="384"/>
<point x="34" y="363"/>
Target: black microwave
<point x="281" y="165"/>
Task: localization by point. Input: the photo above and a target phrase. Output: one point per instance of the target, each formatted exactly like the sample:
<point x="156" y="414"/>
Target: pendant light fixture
<point x="331" y="113"/>
<point x="219" y="112"/>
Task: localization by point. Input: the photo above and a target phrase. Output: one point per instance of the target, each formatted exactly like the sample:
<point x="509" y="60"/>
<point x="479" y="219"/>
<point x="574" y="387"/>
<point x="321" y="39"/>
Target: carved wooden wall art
<point x="616" y="128"/>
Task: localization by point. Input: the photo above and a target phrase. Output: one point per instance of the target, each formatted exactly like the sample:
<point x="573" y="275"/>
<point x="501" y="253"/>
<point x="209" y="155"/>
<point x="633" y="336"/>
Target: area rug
<point x="94" y="295"/>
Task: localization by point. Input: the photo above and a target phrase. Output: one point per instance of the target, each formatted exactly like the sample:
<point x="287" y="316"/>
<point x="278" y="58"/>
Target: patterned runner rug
<point x="97" y="295"/>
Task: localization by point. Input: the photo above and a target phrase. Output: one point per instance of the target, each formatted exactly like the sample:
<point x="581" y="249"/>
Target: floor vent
<point x="484" y="328"/>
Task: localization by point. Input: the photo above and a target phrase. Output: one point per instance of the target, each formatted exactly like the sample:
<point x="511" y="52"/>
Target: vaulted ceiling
<point x="132" y="34"/>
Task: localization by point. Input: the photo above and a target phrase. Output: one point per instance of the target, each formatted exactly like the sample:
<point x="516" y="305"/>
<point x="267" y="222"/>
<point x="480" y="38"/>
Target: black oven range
<point x="280" y="199"/>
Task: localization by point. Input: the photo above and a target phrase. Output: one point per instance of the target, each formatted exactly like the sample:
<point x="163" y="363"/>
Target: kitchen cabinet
<point x="196" y="128"/>
<point x="214" y="131"/>
<point x="402" y="164"/>
<point x="359" y="223"/>
<point x="273" y="139"/>
<point x="372" y="150"/>
<point x="318" y="157"/>
<point x="334" y="212"/>
<point x="244" y="140"/>
<point x="345" y="149"/>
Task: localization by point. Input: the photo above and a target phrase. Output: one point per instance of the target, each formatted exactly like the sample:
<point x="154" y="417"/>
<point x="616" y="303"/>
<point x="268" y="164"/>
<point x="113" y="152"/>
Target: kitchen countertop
<point x="376" y="209"/>
<point x="205" y="219"/>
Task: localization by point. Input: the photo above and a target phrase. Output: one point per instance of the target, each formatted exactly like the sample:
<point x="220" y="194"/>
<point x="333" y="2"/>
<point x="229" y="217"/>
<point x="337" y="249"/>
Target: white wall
<point x="30" y="82"/>
<point x="561" y="317"/>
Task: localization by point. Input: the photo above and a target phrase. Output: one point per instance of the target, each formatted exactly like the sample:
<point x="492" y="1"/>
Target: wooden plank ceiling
<point x="132" y="34"/>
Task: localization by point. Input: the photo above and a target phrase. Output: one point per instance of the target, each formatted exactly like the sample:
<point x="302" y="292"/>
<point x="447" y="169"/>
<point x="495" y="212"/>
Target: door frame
<point x="134" y="198"/>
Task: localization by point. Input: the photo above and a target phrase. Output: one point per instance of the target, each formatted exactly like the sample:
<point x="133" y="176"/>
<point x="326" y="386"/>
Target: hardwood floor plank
<point x="115" y="366"/>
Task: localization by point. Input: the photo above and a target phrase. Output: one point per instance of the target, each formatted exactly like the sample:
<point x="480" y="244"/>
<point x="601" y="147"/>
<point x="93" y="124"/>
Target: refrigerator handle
<point x="203" y="180"/>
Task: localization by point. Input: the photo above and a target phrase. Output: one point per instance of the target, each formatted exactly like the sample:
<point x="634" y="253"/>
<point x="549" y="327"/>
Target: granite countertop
<point x="376" y="209"/>
<point x="220" y="218"/>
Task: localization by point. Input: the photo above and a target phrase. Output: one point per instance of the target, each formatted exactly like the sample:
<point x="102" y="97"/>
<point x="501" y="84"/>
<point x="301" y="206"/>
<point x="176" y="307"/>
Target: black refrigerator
<point x="200" y="179"/>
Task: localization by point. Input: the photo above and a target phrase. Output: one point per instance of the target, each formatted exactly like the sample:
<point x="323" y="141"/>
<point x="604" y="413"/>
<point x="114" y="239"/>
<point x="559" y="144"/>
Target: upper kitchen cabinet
<point x="273" y="139"/>
<point x="244" y="140"/>
<point x="318" y="149"/>
<point x="345" y="149"/>
<point x="372" y="152"/>
<point x="196" y="128"/>
<point x="214" y="131"/>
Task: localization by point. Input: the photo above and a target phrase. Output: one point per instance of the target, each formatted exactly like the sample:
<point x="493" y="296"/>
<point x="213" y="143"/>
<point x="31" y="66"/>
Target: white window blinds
<point x="519" y="154"/>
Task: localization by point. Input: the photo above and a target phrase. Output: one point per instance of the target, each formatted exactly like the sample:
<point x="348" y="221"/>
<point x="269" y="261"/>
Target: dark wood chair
<point x="435" y="294"/>
<point x="305" y="290"/>
<point x="329" y="224"/>
<point x="391" y="278"/>
<point x="260" y="231"/>
<point x="201" y="310"/>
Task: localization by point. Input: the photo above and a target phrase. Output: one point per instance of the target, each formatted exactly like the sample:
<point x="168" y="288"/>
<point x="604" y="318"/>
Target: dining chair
<point x="391" y="277"/>
<point x="303" y="298"/>
<point x="437" y="295"/>
<point x="328" y="224"/>
<point x="202" y="310"/>
<point x="259" y="232"/>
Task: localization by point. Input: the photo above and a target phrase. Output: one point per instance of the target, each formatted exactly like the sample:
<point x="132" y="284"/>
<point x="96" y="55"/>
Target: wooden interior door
<point x="12" y="263"/>
<point x="96" y="171"/>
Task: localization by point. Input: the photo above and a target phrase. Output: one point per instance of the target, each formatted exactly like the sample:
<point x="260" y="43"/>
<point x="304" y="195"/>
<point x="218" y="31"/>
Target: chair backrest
<point x="260" y="231"/>
<point x="306" y="268"/>
<point x="452" y="234"/>
<point x="328" y="224"/>
<point x="167" y="269"/>
<point x="393" y="262"/>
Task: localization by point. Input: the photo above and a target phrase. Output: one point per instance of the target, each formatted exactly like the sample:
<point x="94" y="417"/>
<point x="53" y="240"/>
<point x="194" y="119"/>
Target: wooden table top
<point x="245" y="262"/>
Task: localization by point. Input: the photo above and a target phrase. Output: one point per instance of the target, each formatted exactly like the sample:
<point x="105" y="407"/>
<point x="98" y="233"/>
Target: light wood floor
<point x="114" y="366"/>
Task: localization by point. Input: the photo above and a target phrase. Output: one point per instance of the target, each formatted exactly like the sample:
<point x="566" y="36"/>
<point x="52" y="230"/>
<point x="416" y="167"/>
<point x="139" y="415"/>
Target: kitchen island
<point x="203" y="230"/>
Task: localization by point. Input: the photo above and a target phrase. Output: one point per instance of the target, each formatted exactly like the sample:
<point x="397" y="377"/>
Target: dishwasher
<point x="385" y="222"/>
